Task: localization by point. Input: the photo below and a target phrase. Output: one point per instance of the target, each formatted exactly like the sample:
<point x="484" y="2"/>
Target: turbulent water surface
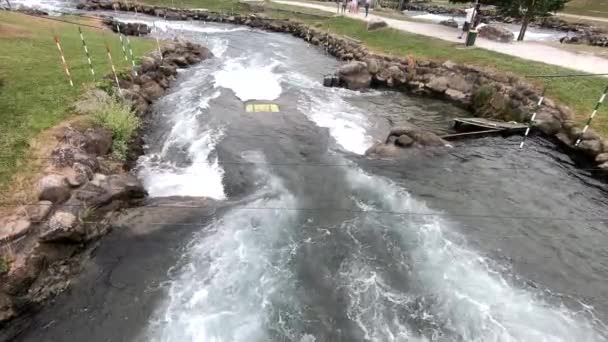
<point x="312" y="241"/>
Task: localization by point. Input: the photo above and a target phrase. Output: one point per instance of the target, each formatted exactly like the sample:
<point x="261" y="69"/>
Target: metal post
<point x="597" y="107"/>
<point x="63" y="62"/>
<point x="113" y="69"/>
<point x="540" y="103"/>
<point x="86" y="51"/>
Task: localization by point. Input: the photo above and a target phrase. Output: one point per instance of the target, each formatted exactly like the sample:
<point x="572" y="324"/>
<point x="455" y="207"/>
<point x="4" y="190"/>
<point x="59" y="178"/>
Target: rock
<point x="355" y="75"/>
<point x="438" y="84"/>
<point x="54" y="188"/>
<point x="591" y="147"/>
<point x="98" y="141"/>
<point x="458" y="96"/>
<point x="603" y="167"/>
<point x="374" y="24"/>
<point x="458" y="82"/>
<point x="373" y="65"/>
<point x="148" y="64"/>
<point x="13" y="227"/>
<point x="152" y="90"/>
<point x="404" y="141"/>
<point x="63" y="227"/>
<point x="168" y="70"/>
<point x="450" y="23"/>
<point x="601" y="158"/>
<point x="383" y="150"/>
<point x="496" y="33"/>
<point x="37" y="212"/>
<point x="547" y="123"/>
<point x="80" y="174"/>
<point x="6" y="308"/>
<point x="123" y="187"/>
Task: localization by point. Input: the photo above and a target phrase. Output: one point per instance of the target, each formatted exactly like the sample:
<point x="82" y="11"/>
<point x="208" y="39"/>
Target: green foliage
<point x="483" y="95"/>
<point x="5" y="264"/>
<point x="106" y="85"/>
<point x="118" y="117"/>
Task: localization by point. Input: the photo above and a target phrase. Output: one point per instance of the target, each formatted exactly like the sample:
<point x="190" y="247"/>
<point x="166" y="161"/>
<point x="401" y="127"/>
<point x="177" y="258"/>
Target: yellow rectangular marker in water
<point x="262" y="107"/>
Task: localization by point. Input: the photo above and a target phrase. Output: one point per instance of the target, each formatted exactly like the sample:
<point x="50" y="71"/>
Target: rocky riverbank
<point x="484" y="91"/>
<point x="42" y="244"/>
<point x="129" y="29"/>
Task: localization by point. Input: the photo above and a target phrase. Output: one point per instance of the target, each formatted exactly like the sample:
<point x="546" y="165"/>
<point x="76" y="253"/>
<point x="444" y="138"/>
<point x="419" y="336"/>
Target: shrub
<point x="118" y="117"/>
<point x="5" y="264"/>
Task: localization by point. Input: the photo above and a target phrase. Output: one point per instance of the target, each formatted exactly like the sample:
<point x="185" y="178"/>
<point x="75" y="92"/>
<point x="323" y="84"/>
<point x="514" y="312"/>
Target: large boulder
<point x="355" y="75"/>
<point x="54" y="188"/>
<point x="449" y="22"/>
<point x="13" y="227"/>
<point x="98" y="141"/>
<point x="496" y="33"/>
<point x="374" y="24"/>
<point x="411" y="136"/>
<point x="63" y="227"/>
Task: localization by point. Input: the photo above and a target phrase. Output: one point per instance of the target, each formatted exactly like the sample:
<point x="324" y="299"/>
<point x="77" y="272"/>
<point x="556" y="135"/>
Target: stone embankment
<point x="486" y="92"/>
<point x="41" y="243"/>
<point x="129" y="29"/>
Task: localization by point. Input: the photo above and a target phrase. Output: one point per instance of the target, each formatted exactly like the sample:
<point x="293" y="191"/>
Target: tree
<point x="526" y="10"/>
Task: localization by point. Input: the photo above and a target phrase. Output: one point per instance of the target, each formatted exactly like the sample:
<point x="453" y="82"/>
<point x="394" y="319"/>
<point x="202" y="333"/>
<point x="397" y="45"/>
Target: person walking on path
<point x="344" y="5"/>
<point x="367" y="4"/>
<point x="470" y="12"/>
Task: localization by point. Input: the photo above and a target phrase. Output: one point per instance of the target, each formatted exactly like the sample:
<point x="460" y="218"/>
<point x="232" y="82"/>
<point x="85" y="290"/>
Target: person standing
<point x="367" y="4"/>
<point x="470" y="12"/>
<point x="344" y="4"/>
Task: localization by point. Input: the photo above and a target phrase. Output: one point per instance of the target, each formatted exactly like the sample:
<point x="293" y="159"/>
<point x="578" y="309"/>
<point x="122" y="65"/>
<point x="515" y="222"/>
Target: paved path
<point x="528" y="50"/>
<point x="583" y="17"/>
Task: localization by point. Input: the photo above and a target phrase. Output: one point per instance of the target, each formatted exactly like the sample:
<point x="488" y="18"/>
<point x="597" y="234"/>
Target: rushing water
<point x="315" y="242"/>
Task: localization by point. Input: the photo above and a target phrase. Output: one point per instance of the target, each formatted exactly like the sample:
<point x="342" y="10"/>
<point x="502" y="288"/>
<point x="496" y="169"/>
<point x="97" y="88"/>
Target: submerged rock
<point x="355" y="75"/>
<point x="496" y="32"/>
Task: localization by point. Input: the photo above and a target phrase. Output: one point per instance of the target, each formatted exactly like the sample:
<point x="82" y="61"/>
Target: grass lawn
<point x="34" y="91"/>
<point x="592" y="8"/>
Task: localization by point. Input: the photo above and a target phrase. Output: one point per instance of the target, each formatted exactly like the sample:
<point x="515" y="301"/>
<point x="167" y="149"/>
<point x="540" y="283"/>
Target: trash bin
<point x="471" y="36"/>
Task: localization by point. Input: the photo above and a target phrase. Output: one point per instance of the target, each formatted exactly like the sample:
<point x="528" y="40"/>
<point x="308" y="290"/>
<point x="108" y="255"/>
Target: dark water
<point x="311" y="241"/>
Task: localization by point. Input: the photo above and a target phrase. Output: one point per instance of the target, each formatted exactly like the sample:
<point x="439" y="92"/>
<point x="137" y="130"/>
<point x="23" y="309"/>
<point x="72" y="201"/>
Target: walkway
<point x="533" y="51"/>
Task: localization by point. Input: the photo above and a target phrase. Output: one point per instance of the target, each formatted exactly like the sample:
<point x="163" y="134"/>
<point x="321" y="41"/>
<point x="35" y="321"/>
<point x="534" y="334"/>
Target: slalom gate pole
<point x="597" y="107"/>
<point x="63" y="62"/>
<point x="113" y="69"/>
<point x="157" y="43"/>
<point x="538" y="105"/>
<point x="86" y="51"/>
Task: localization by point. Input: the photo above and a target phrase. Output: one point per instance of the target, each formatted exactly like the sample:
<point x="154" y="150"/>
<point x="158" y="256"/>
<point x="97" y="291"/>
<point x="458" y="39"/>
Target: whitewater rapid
<point x="271" y="269"/>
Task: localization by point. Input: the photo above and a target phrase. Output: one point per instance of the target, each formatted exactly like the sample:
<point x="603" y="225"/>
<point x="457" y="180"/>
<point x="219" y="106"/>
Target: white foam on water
<point x="250" y="78"/>
<point x="232" y="274"/>
<point x="218" y="46"/>
<point x="327" y="108"/>
<point x="436" y="18"/>
<point x="459" y="290"/>
<point x="201" y="175"/>
<point x="44" y="5"/>
<point x="167" y="25"/>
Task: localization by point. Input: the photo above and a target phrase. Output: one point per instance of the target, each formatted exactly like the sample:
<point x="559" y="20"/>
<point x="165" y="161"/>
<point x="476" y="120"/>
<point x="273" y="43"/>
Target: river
<point x="308" y="240"/>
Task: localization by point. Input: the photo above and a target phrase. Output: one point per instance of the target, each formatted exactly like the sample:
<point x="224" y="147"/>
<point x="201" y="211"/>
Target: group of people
<point x="353" y="6"/>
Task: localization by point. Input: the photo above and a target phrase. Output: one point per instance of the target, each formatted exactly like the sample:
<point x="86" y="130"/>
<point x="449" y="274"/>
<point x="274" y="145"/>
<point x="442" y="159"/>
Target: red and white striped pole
<point x="540" y="103"/>
<point x="597" y="107"/>
<point x="63" y="62"/>
<point x="113" y="69"/>
<point x="86" y="51"/>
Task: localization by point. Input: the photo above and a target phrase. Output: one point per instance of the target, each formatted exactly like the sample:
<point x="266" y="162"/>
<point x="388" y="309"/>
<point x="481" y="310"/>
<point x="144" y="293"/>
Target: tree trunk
<point x="526" y="19"/>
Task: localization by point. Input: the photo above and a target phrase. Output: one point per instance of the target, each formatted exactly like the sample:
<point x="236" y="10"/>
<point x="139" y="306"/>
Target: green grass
<point x="592" y="8"/>
<point x="117" y="116"/>
<point x="35" y="94"/>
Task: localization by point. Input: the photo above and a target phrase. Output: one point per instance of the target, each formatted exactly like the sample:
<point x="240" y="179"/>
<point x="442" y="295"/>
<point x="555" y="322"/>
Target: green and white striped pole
<point x="597" y="107"/>
<point x="86" y="51"/>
